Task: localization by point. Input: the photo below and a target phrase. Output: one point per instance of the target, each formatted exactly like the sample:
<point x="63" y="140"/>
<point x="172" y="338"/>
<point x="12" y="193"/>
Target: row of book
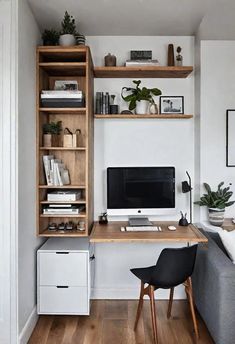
<point x="55" y="171"/>
<point x="102" y="103"/>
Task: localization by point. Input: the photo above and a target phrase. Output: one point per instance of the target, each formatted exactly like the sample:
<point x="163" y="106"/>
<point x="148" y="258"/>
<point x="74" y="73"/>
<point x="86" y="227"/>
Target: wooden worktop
<point x="112" y="233"/>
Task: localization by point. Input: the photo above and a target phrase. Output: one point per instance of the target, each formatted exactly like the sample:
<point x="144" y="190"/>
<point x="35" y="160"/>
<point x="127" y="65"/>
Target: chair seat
<point x="144" y="274"/>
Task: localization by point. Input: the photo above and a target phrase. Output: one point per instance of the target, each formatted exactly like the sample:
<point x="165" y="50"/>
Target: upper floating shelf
<point x="142" y="72"/>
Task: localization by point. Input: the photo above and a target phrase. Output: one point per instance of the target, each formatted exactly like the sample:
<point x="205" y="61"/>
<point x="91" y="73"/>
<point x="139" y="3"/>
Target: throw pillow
<point x="228" y="239"/>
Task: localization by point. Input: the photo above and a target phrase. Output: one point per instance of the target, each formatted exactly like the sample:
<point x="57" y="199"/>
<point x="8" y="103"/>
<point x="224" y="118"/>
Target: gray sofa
<point x="214" y="289"/>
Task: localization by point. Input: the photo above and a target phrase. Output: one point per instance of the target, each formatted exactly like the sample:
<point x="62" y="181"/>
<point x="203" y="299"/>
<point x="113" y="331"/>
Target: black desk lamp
<point x="187" y="187"/>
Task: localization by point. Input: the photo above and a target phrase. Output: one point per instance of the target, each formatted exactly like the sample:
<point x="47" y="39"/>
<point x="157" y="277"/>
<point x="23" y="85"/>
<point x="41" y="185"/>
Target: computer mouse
<point x="172" y="228"/>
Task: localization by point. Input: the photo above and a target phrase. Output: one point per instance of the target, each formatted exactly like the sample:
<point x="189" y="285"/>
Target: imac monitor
<point x="137" y="191"/>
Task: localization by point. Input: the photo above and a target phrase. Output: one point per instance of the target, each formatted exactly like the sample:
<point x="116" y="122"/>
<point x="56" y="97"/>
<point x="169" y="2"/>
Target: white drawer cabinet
<point x="64" y="276"/>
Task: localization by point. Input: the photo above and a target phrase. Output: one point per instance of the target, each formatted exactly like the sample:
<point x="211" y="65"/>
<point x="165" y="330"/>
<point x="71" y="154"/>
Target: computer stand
<point x="139" y="221"/>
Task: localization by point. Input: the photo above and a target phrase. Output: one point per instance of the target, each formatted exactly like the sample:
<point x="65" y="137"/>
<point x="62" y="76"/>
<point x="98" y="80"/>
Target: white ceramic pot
<point x="216" y="216"/>
<point x="67" y="40"/>
<point x="142" y="107"/>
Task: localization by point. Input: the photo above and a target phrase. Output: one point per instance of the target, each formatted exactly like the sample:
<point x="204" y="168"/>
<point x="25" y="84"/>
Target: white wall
<point x="28" y="39"/>
<point x="217" y="95"/>
<point x="139" y="143"/>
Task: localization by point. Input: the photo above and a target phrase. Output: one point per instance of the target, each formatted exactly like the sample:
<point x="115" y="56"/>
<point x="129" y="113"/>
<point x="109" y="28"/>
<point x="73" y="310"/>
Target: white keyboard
<point x="143" y="229"/>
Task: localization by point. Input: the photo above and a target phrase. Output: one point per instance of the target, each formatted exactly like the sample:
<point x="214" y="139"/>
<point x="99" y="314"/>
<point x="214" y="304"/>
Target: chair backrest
<point x="174" y="266"/>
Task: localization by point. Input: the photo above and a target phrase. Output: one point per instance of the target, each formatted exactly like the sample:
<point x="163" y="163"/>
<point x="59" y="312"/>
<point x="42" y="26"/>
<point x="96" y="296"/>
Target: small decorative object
<point x="110" y="60"/>
<point x="179" y="57"/>
<point x="67" y="35"/>
<point x="52" y="226"/>
<point x="230" y="138"/>
<point x="81" y="226"/>
<point x="141" y="54"/>
<point x="61" y="226"/>
<point x="50" y="37"/>
<point x="80" y="39"/>
<point x="140" y="98"/>
<point x="76" y="136"/>
<point x="68" y="138"/>
<point x="183" y="221"/>
<point x="51" y="134"/>
<point x="172" y="105"/>
<point x="126" y="112"/>
<point x="216" y="201"/>
<point x="187" y="187"/>
<point x="113" y="109"/>
<point x="153" y="109"/>
<point x="171" y="58"/>
<point x="103" y="219"/>
<point x="69" y="226"/>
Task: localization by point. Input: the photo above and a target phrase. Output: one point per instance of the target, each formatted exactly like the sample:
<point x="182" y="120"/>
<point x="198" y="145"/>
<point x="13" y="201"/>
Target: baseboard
<point x="28" y="327"/>
<point x="132" y="294"/>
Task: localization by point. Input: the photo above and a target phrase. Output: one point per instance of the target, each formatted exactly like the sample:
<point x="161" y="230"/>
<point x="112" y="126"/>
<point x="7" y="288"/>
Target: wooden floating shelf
<point x="62" y="187"/>
<point x="64" y="148"/>
<point x="63" y="110"/>
<point x="82" y="214"/>
<point x="126" y="116"/>
<point x="81" y="201"/>
<point x="143" y="72"/>
<point x="72" y="233"/>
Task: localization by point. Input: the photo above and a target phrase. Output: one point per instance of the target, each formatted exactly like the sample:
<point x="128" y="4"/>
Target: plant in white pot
<point x="68" y="32"/>
<point x="216" y="201"/>
<point x="140" y="99"/>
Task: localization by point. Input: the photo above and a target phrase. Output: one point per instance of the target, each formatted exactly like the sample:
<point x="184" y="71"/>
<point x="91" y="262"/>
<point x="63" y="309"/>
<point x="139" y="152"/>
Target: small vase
<point x="142" y="107"/>
<point x="47" y="140"/>
<point x="216" y="216"/>
<point x="153" y="109"/>
<point x="67" y="40"/>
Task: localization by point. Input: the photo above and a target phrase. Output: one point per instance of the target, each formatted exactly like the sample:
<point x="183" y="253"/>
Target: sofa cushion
<point x="216" y="238"/>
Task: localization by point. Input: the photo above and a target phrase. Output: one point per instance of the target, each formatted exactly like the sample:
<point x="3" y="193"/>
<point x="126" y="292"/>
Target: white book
<point x="47" y="168"/>
<point x="58" y="174"/>
<point x="60" y="205"/>
<point x="61" y="211"/>
<point x="64" y="196"/>
<point x="63" y="95"/>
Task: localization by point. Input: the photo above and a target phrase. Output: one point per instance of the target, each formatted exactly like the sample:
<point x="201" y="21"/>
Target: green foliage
<point x="68" y="25"/>
<point x="53" y="128"/>
<point x="138" y="94"/>
<point x="216" y="199"/>
<point x="50" y="37"/>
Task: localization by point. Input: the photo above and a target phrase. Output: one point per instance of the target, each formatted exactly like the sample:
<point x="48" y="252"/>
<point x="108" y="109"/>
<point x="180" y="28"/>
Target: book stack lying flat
<point x="65" y="94"/>
<point x="64" y="196"/>
<point x="55" y="171"/>
<point x="136" y="63"/>
<point x="62" y="209"/>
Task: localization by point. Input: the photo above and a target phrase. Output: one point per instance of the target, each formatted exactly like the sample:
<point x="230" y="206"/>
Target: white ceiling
<point x="125" y="17"/>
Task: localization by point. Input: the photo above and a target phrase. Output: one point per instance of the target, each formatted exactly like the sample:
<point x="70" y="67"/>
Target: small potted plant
<point x="50" y="37"/>
<point x="216" y="201"/>
<point x="68" y="32"/>
<point x="140" y="98"/>
<point x="51" y="134"/>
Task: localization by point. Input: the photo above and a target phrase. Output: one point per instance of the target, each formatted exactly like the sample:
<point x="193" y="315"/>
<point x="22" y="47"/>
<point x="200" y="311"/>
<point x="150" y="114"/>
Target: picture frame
<point x="171" y="105"/>
<point x="230" y="138"/>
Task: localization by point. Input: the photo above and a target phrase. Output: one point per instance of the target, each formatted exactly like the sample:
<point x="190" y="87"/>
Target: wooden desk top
<point x="112" y="233"/>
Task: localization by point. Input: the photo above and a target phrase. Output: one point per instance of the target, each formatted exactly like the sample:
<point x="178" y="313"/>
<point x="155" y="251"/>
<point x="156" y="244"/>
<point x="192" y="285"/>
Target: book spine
<point x="103" y="103"/>
<point x="98" y="102"/>
<point x="106" y="103"/>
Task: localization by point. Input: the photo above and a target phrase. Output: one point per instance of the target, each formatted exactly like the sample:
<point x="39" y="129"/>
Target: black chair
<point x="174" y="267"/>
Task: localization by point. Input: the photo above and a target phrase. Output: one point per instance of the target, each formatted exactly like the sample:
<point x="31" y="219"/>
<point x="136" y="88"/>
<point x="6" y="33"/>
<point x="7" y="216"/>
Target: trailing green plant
<point x="53" y="128"/>
<point x="138" y="94"/>
<point x="50" y="37"/>
<point x="68" y="25"/>
<point x="216" y="199"/>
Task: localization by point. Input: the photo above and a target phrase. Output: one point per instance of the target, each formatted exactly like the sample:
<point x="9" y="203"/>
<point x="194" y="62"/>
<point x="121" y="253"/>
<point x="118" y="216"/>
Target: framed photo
<point x="230" y="138"/>
<point x="171" y="104"/>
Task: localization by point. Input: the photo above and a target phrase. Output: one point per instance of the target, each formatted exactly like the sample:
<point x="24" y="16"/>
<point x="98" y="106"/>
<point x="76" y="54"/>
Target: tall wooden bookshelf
<point x="73" y="63"/>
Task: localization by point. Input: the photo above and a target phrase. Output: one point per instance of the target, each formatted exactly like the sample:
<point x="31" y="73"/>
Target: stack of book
<point x="64" y="196"/>
<point x="55" y="171"/>
<point x="102" y="103"/>
<point x="65" y="94"/>
<point x="62" y="209"/>
<point x="141" y="58"/>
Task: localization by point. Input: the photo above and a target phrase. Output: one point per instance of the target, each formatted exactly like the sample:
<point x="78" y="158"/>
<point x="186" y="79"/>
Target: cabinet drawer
<point x="68" y="269"/>
<point x="71" y="300"/>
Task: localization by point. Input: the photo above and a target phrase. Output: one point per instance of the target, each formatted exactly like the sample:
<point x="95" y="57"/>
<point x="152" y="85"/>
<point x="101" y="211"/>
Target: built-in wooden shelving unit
<point x="60" y="63"/>
<point x="147" y="116"/>
<point x="143" y="72"/>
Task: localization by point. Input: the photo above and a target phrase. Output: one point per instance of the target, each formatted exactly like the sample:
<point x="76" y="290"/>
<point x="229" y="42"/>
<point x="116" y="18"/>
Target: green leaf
<point x="132" y="104"/>
<point x="155" y="91"/>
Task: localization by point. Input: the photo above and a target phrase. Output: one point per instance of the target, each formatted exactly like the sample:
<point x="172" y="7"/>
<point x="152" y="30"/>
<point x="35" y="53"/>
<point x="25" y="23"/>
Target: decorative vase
<point x="153" y="109"/>
<point x="67" y="40"/>
<point x="110" y="60"/>
<point x="216" y="216"/>
<point x="80" y="39"/>
<point x="142" y="107"/>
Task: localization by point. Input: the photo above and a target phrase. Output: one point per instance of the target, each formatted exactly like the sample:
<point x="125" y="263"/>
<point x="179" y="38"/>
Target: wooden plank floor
<point x="112" y="322"/>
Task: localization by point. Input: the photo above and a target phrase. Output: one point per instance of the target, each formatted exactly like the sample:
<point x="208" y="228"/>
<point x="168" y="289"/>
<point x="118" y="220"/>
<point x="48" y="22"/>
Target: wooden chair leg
<point x="170" y="303"/>
<point x="189" y="291"/>
<point x="153" y="313"/>
<point x="140" y="305"/>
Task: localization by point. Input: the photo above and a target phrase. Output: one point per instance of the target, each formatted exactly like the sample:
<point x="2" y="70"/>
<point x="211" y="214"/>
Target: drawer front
<point x="69" y="269"/>
<point x="71" y="300"/>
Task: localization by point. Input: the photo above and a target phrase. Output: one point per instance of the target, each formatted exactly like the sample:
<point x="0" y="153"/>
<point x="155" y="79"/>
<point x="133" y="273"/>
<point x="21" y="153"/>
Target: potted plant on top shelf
<point x="51" y="134"/>
<point x="141" y="99"/>
<point x="68" y="32"/>
<point x="50" y="37"/>
<point x="216" y="201"/>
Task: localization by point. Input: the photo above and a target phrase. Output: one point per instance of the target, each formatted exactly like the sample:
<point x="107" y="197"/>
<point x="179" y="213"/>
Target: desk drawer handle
<point x="62" y="286"/>
<point x="62" y="252"/>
